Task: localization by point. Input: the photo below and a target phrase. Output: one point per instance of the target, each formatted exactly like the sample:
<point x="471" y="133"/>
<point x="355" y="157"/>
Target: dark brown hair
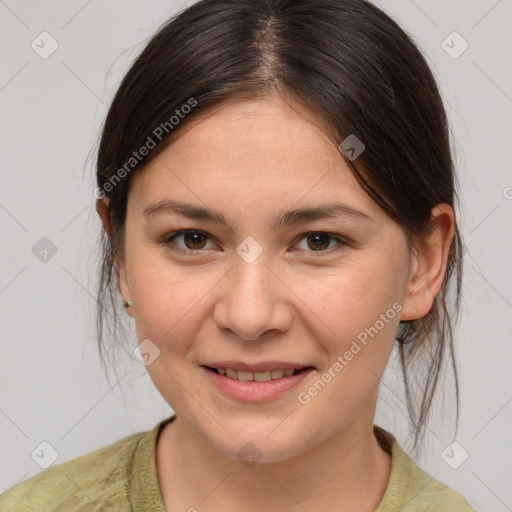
<point x="347" y="62"/>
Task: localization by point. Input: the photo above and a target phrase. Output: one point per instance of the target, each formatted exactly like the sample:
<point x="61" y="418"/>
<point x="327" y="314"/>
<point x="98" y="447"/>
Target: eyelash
<point x="167" y="241"/>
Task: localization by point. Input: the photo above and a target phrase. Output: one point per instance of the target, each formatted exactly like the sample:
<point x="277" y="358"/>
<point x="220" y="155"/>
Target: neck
<point x="349" y="469"/>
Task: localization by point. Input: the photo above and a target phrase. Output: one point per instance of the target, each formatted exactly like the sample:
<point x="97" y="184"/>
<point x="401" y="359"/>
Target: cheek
<point x="170" y="299"/>
<point x="171" y="307"/>
<point x="345" y="302"/>
<point x="353" y="316"/>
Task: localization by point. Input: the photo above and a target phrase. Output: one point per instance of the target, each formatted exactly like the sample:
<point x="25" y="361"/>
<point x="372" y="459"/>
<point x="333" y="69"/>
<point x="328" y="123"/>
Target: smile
<point x="255" y="387"/>
<point x="245" y="376"/>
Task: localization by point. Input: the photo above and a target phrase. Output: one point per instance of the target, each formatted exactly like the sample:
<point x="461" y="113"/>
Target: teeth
<point x="257" y="376"/>
<point x="232" y="374"/>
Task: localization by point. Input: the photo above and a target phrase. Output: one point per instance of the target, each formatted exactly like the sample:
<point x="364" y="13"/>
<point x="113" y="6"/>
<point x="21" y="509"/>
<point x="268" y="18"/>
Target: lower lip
<point x="253" y="391"/>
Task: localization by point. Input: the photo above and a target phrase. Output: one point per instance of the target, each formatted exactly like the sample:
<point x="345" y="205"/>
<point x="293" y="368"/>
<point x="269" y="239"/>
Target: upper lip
<point x="257" y="367"/>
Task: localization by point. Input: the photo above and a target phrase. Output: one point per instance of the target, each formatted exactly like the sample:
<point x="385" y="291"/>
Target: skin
<point x="252" y="160"/>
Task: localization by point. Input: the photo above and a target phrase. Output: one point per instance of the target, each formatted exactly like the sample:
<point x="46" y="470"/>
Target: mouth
<point x="257" y="387"/>
<point x="263" y="376"/>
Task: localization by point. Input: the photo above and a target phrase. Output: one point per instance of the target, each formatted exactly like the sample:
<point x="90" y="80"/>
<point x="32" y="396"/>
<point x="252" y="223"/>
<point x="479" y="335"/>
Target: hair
<point x="351" y="65"/>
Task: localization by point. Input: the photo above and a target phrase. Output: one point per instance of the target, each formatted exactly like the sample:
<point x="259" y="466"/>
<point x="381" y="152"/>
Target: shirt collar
<point x="145" y="492"/>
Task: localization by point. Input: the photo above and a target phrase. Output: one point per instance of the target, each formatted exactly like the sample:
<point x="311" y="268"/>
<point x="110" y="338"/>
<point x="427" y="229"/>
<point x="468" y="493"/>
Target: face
<point x="309" y="292"/>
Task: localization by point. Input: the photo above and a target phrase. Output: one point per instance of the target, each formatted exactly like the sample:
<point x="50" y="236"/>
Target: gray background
<point x="51" y="385"/>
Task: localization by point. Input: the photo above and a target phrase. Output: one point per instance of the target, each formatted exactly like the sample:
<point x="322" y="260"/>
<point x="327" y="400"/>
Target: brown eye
<point x="319" y="241"/>
<point x="194" y="240"/>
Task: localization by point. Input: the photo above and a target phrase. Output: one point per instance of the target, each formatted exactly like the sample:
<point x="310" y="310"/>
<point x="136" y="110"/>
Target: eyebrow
<point x="321" y="212"/>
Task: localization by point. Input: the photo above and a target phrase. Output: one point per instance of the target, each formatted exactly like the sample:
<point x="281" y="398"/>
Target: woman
<point x="277" y="194"/>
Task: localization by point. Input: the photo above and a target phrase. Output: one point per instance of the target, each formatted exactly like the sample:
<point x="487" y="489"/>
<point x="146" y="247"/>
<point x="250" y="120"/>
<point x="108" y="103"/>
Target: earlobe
<point x="419" y="298"/>
<point x="123" y="289"/>
<point x="428" y="266"/>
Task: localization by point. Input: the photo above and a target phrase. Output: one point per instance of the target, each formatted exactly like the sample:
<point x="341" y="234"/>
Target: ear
<point x="428" y="264"/>
<point x="103" y="212"/>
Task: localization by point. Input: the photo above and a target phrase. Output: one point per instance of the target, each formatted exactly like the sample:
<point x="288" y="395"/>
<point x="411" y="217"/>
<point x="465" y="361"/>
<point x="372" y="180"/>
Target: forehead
<point x="251" y="153"/>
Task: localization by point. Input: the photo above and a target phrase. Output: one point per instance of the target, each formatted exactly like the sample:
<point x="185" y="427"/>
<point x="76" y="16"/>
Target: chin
<point x="257" y="447"/>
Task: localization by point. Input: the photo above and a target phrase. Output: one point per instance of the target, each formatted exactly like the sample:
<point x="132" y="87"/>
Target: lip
<point x="264" y="366"/>
<point x="253" y="391"/>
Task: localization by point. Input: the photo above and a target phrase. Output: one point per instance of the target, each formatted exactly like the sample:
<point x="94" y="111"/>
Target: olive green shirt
<point x="122" y="477"/>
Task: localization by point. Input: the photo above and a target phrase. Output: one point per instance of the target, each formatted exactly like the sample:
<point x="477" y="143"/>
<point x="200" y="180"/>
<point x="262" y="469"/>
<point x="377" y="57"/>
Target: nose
<point x="253" y="301"/>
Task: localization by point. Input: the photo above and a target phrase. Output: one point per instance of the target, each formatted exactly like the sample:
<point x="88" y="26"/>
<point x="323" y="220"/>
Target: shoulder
<point x="100" y="477"/>
<point x="426" y="494"/>
<point x="410" y="488"/>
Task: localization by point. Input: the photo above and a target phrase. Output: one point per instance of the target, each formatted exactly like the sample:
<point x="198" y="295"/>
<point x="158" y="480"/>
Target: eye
<point x="319" y="242"/>
<point x="194" y="240"/>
